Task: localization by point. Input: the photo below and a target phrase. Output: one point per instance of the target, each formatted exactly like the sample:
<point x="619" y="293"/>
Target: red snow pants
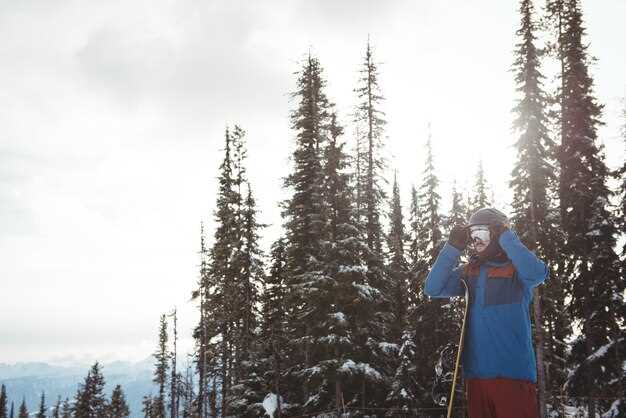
<point x="501" y="398"/>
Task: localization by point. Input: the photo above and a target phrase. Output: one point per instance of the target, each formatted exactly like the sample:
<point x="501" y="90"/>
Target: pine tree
<point x="358" y="160"/>
<point x="533" y="213"/>
<point x="147" y="406"/>
<point x="431" y="317"/>
<point x="458" y="211"/>
<point x="161" y="367"/>
<point x="417" y="262"/>
<point x="403" y="393"/>
<point x="400" y="276"/>
<point x="11" y="413"/>
<point x="223" y="297"/>
<point x="274" y="319"/>
<point x="414" y="230"/>
<point x="429" y="199"/>
<point x="370" y="122"/>
<point x="554" y="21"/>
<point x="118" y="408"/>
<point x="479" y="199"/>
<point x="174" y="382"/>
<point x="324" y="322"/>
<point x="238" y="262"/>
<point x="621" y="177"/>
<point x="23" y="412"/>
<point x="397" y="265"/>
<point x="347" y="330"/>
<point x="247" y="393"/>
<point x="203" y="332"/>
<point x="3" y="402"/>
<point x="186" y="393"/>
<point x="56" y="411"/>
<point x="66" y="410"/>
<point x="302" y="214"/>
<point x="90" y="400"/>
<point x="252" y="275"/>
<point x="595" y="282"/>
<point x="42" y="407"/>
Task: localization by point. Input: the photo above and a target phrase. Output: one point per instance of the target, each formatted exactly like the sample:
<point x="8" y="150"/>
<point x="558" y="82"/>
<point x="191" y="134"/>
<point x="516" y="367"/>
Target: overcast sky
<point x="112" y="117"/>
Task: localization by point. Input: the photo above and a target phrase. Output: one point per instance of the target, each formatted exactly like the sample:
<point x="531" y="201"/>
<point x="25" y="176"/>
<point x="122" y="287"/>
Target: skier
<point x="498" y="359"/>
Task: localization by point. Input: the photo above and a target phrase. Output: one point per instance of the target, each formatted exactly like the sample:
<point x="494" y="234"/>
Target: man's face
<point x="480" y="237"/>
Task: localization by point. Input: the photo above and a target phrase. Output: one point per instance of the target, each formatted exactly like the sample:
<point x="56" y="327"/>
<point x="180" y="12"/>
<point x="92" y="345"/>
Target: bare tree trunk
<point x="202" y="354"/>
<point x="225" y="363"/>
<point x="212" y="401"/>
<point x="276" y="374"/>
<point x="174" y="382"/>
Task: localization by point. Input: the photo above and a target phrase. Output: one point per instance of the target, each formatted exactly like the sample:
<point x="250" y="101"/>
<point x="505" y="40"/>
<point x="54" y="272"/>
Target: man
<point x="498" y="359"/>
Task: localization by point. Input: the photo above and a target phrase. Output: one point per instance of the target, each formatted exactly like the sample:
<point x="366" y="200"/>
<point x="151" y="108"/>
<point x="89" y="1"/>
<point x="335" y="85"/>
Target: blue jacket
<point x="498" y="342"/>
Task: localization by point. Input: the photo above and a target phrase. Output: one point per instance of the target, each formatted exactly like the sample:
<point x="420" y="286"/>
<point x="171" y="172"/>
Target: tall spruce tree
<point x="400" y="277"/>
<point x="621" y="177"/>
<point x="347" y="334"/>
<point x="429" y="200"/>
<point x="90" y="400"/>
<point x="186" y="393"/>
<point x="417" y="262"/>
<point x="480" y="199"/>
<point x="303" y="223"/>
<point x="327" y="334"/>
<point x="3" y="402"/>
<point x="221" y="279"/>
<point x="238" y="264"/>
<point x="201" y="331"/>
<point x="23" y="411"/>
<point x="161" y="367"/>
<point x="403" y="394"/>
<point x="146" y="404"/>
<point x="414" y="230"/>
<point x="56" y="411"/>
<point x="247" y="393"/>
<point x="12" y="410"/>
<point x="458" y="211"/>
<point x="534" y="215"/>
<point x="118" y="408"/>
<point x="433" y="317"/>
<point x="397" y="265"/>
<point x="66" y="410"/>
<point x="358" y="178"/>
<point x="174" y="376"/>
<point x="370" y="122"/>
<point x="252" y="271"/>
<point x="554" y="22"/>
<point x="595" y="283"/>
<point x="273" y="322"/>
<point x="42" y="406"/>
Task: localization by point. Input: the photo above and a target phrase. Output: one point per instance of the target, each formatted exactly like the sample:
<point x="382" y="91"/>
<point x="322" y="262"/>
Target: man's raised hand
<point x="459" y="237"/>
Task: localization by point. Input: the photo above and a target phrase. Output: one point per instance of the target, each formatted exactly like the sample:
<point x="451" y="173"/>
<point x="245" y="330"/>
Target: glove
<point x="496" y="230"/>
<point x="459" y="237"/>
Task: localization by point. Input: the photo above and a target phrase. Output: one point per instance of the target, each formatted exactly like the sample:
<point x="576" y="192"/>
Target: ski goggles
<point x="479" y="234"/>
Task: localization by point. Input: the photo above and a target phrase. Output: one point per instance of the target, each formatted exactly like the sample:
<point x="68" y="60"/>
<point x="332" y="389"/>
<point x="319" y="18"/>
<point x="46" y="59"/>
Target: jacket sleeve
<point x="531" y="271"/>
<point x="443" y="281"/>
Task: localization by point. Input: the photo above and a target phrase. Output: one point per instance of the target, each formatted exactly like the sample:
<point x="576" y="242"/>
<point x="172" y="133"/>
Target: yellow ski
<point x="460" y="350"/>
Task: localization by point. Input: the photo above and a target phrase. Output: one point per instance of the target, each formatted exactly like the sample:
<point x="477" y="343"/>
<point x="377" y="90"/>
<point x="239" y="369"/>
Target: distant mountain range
<point x="28" y="380"/>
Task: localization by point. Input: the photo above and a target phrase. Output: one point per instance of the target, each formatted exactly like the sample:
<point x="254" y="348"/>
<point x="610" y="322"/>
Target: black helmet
<point x="488" y="216"/>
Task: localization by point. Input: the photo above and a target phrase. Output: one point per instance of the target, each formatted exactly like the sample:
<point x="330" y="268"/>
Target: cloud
<point x="201" y="59"/>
